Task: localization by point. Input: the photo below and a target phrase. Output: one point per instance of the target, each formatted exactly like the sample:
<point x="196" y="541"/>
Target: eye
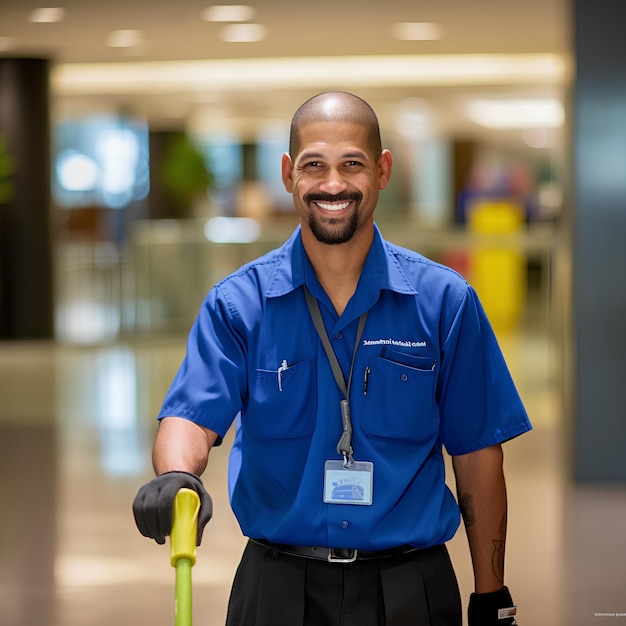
<point x="312" y="166"/>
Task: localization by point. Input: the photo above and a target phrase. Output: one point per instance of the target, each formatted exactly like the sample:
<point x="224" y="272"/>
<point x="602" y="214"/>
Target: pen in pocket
<point x="366" y="377"/>
<point x="283" y="367"/>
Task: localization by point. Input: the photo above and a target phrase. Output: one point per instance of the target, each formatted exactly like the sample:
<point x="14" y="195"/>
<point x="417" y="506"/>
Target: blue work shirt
<point x="428" y="373"/>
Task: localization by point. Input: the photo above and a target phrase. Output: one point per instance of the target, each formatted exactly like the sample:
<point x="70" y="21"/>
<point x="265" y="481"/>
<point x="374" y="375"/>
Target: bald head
<point x="336" y="106"/>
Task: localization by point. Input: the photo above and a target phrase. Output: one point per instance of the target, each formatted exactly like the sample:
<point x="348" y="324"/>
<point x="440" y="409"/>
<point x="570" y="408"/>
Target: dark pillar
<point x="160" y="204"/>
<point x="26" y="270"/>
<point x="599" y="247"/>
<point x="249" y="157"/>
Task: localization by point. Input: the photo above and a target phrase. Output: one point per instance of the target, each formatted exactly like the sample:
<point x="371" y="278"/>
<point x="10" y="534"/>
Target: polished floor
<point x="76" y="427"/>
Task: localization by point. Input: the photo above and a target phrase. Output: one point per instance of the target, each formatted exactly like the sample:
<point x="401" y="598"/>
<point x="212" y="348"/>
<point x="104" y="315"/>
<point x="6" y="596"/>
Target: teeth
<point x="333" y="207"/>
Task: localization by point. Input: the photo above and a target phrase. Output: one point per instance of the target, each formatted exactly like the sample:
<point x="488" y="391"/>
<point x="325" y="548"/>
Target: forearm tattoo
<point x="497" y="558"/>
<point x="466" y="505"/>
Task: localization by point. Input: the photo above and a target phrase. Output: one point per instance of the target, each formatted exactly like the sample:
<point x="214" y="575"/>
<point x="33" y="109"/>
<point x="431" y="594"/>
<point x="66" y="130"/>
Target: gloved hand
<point x="492" y="609"/>
<point x="154" y="502"/>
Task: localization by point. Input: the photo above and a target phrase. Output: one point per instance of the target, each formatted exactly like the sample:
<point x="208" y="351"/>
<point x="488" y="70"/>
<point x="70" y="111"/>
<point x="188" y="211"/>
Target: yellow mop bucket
<point x="498" y="263"/>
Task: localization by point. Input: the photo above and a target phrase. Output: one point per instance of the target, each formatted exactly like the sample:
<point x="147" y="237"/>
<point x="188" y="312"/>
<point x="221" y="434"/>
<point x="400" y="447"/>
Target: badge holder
<point x="347" y="481"/>
<point x="348" y="485"/>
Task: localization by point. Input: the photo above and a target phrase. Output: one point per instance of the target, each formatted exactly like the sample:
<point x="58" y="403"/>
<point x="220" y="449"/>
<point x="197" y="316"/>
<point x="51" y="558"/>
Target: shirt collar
<point x="381" y="271"/>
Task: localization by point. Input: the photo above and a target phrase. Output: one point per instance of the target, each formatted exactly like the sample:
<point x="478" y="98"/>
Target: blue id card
<point x="348" y="485"/>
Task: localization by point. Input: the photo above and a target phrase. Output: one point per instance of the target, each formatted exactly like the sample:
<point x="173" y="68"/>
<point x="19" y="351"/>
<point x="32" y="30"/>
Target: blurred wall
<point x="599" y="252"/>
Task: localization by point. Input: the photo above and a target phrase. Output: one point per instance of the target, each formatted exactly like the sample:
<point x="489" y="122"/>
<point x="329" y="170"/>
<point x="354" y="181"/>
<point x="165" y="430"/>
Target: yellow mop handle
<point x="183" y="550"/>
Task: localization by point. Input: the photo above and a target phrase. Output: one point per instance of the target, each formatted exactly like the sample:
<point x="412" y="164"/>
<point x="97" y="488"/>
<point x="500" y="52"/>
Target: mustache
<point x="340" y="197"/>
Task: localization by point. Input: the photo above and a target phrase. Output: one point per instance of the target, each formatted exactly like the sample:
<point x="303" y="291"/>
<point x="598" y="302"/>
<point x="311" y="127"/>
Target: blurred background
<point x="140" y="148"/>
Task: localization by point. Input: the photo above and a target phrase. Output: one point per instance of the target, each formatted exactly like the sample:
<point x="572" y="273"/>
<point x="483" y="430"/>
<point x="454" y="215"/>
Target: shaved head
<point x="336" y="106"/>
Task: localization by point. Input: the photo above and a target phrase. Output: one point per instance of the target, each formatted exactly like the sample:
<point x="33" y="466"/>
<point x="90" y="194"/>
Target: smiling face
<point x="335" y="179"/>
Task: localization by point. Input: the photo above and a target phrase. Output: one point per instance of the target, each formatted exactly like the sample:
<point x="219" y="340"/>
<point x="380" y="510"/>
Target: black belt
<point x="336" y="555"/>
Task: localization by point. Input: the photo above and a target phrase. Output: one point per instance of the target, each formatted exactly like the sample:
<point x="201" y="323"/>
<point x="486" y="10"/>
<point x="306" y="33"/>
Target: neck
<point x="338" y="267"/>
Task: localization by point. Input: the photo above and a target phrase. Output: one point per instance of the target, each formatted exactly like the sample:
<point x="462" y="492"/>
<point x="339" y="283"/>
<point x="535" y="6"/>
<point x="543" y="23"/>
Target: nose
<point x="334" y="182"/>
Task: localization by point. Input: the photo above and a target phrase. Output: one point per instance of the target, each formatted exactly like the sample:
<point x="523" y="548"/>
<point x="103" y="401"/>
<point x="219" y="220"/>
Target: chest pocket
<point x="282" y="407"/>
<point x="400" y="400"/>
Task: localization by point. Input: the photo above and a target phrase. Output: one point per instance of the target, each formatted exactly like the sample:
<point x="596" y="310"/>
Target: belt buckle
<point x="333" y="558"/>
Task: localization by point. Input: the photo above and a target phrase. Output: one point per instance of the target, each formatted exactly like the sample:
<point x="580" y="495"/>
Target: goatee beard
<point x="334" y="231"/>
<point x="337" y="231"/>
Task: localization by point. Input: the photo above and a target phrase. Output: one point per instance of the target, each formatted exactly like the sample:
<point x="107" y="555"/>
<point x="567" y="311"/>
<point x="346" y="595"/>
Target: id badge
<point x="348" y="485"/>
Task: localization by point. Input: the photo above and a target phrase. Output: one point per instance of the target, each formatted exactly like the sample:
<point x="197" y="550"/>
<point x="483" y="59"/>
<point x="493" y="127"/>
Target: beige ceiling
<point x="173" y="31"/>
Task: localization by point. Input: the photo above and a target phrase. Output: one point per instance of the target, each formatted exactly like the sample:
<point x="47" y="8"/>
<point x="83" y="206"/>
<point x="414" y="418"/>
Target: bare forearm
<point x="482" y="497"/>
<point x="181" y="445"/>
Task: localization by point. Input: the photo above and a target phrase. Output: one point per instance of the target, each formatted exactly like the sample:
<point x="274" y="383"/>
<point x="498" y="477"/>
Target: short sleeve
<point x="478" y="402"/>
<point x="210" y="384"/>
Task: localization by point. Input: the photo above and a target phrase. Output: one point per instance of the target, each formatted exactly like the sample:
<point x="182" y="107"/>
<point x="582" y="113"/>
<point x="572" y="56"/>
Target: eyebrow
<point x="303" y="156"/>
<point x="319" y="155"/>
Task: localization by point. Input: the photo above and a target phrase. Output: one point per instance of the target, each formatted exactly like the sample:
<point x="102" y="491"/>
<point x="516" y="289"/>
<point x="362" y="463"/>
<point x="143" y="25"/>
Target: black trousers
<point x="275" y="589"/>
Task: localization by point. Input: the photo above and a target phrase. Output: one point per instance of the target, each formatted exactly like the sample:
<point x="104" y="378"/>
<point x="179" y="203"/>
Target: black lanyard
<point x="345" y="442"/>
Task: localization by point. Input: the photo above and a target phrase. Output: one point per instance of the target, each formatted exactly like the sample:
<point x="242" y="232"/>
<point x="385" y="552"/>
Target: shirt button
<point x="404" y="378"/>
<point x="345" y="524"/>
<point x="339" y="335"/>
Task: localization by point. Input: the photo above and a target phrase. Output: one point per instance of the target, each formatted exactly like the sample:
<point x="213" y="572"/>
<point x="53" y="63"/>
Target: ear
<point x="287" y="172"/>
<point x="384" y="164"/>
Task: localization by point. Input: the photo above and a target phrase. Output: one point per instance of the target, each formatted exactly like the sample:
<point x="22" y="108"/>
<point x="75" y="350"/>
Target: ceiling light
<point x="517" y="113"/>
<point x="47" y="15"/>
<point x="125" y="38"/>
<point x="243" y="33"/>
<point x="537" y="138"/>
<point x="322" y="72"/>
<point x="417" y="31"/>
<point x="228" y="13"/>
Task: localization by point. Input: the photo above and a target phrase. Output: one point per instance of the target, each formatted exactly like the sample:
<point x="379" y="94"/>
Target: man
<point x="350" y="363"/>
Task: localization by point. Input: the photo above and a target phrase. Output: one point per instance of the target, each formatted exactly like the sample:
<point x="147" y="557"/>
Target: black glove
<point x="154" y="502"/>
<point x="492" y="609"/>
